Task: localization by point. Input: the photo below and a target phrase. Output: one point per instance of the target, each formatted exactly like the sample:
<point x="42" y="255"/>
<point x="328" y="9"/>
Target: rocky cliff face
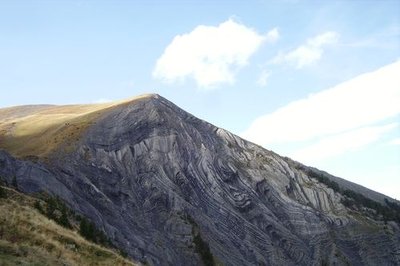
<point x="159" y="181"/>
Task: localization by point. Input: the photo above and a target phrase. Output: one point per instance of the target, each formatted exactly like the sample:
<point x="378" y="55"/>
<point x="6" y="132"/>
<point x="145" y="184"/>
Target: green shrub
<point x="53" y="207"/>
<point x="323" y="179"/>
<point x="123" y="253"/>
<point x="63" y="220"/>
<point x="14" y="182"/>
<point x="89" y="231"/>
<point x="200" y="245"/>
<point x="3" y="193"/>
<point x="38" y="206"/>
<point x="204" y="250"/>
<point x="86" y="229"/>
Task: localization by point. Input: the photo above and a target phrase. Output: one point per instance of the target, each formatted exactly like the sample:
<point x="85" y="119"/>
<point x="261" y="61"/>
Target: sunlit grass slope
<point x="29" y="238"/>
<point x="27" y="131"/>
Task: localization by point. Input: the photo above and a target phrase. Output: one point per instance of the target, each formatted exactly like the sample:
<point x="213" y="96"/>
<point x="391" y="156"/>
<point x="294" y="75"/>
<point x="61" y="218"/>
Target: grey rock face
<point x="150" y="174"/>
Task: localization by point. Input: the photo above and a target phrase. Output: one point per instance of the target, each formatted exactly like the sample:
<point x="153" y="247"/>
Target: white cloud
<point x="273" y="35"/>
<point x="362" y="101"/>
<point x="341" y="143"/>
<point x="308" y="53"/>
<point x="263" y="78"/>
<point x="210" y="54"/>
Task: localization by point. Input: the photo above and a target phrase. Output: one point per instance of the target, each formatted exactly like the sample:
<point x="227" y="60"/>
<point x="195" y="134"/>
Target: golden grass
<point x="29" y="238"/>
<point x="41" y="131"/>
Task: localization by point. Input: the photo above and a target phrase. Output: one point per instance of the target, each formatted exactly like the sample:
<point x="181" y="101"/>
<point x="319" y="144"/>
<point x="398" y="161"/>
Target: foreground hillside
<point x="171" y="189"/>
<point x="27" y="237"/>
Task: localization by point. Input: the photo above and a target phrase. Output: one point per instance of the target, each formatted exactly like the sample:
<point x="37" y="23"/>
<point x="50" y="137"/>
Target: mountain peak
<point x="141" y="96"/>
<point x="171" y="189"/>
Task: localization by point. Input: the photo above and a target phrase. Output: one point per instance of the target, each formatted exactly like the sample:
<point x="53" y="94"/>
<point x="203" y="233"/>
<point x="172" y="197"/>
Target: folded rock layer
<point x="158" y="181"/>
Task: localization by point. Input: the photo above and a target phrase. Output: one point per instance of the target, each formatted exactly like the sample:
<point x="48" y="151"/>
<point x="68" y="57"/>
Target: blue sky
<point x="313" y="80"/>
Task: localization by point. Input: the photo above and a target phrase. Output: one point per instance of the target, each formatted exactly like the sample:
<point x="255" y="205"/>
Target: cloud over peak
<point x="308" y="53"/>
<point x="210" y="55"/>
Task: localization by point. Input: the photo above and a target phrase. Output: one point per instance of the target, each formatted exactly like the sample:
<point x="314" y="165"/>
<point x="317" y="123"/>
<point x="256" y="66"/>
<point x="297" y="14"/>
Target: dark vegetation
<point x="390" y="212"/>
<point x="201" y="246"/>
<point x="15" y="183"/>
<point x="3" y="193"/>
<point x="89" y="231"/>
<point x="204" y="250"/>
<point x="28" y="238"/>
<point x="55" y="209"/>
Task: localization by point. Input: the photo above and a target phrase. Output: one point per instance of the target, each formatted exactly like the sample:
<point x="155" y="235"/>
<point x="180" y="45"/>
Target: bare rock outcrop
<point x="154" y="177"/>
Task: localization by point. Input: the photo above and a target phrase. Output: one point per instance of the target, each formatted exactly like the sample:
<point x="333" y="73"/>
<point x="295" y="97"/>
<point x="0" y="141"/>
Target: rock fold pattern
<point x="150" y="175"/>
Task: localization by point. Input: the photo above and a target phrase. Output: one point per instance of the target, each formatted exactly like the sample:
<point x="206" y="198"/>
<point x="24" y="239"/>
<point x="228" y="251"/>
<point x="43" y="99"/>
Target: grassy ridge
<point x="28" y="132"/>
<point x="27" y="237"/>
<point x="42" y="132"/>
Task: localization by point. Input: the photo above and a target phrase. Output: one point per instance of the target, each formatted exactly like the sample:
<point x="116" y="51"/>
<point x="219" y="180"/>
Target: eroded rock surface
<point x="148" y="174"/>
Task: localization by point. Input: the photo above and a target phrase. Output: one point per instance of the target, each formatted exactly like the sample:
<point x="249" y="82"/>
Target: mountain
<point x="171" y="189"/>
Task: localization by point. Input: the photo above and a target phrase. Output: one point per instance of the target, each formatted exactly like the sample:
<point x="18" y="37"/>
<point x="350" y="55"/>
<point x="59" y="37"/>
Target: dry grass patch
<point x="27" y="131"/>
<point x="29" y="238"/>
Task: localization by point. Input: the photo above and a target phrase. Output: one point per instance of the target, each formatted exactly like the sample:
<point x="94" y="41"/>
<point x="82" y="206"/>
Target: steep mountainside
<point x="171" y="189"/>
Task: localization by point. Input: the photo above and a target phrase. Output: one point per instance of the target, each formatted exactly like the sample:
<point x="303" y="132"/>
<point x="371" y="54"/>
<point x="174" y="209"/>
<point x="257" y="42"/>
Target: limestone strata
<point x="147" y="173"/>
